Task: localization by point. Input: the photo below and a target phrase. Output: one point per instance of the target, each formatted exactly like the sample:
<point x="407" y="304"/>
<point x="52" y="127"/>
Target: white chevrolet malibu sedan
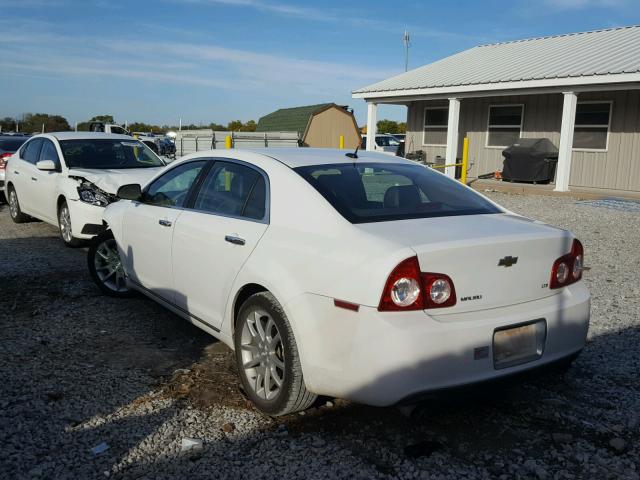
<point x="67" y="178"/>
<point x="360" y="276"/>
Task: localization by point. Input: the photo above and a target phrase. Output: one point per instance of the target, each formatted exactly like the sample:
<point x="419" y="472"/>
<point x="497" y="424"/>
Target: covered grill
<point x="530" y="160"/>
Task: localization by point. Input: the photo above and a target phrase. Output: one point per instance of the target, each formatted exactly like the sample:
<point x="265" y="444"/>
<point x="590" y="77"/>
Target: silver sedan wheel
<point x="13" y="203"/>
<point x="65" y="224"/>
<point x="262" y="354"/>
<point x="109" y="266"/>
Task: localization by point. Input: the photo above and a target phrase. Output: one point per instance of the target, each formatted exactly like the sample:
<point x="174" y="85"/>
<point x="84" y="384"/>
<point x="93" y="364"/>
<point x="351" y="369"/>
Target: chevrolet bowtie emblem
<point x="507" y="261"/>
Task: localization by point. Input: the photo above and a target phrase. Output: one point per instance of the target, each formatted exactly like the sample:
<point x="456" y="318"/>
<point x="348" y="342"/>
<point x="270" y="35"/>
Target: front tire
<point x="14" y="207"/>
<point x="267" y="358"/>
<point x="64" y="224"/>
<point x="105" y="266"/>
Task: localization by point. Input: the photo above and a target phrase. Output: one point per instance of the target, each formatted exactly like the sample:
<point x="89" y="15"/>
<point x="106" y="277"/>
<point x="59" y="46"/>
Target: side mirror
<point x="133" y="191"/>
<point x="46" y="165"/>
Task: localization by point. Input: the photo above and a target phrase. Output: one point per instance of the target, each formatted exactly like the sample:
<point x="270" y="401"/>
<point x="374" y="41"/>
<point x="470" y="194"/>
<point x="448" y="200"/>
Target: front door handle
<point x="16" y="172"/>
<point x="234" y="239"/>
<point x="34" y="179"/>
<point x="164" y="223"/>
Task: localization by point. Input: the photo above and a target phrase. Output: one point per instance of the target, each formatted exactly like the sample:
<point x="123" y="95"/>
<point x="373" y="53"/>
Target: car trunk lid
<point x="493" y="260"/>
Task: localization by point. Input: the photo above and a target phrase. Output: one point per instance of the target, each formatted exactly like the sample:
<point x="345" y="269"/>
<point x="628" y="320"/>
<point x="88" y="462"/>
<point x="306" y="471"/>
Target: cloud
<point x="183" y="63"/>
<point x="583" y="4"/>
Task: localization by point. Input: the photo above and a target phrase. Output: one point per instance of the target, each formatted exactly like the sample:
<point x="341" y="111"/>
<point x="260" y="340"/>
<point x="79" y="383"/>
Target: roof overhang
<point x="551" y="85"/>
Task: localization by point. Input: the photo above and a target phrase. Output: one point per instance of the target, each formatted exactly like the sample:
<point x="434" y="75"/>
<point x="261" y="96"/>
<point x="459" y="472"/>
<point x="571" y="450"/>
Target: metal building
<point x="580" y="90"/>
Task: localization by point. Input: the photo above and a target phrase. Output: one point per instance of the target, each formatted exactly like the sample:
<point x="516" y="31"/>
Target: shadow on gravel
<point x="79" y="368"/>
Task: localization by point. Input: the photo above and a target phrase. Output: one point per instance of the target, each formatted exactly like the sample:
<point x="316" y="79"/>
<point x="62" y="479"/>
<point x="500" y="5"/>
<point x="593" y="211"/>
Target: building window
<point x="435" y="126"/>
<point x="591" y="130"/>
<point x="505" y="125"/>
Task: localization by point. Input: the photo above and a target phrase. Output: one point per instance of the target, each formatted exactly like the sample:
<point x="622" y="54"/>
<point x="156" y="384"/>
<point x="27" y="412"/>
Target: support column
<point x="372" y="122"/>
<point x="563" y="169"/>
<point x="452" y="136"/>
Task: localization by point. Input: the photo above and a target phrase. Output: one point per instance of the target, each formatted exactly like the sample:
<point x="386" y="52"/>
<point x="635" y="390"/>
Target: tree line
<point x="44" y="122"/>
<point x="39" y="122"/>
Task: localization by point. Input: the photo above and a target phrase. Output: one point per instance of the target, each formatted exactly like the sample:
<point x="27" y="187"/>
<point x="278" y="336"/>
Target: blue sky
<point x="219" y="60"/>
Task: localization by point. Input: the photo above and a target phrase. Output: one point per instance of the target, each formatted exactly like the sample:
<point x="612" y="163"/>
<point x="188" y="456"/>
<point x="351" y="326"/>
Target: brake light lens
<point x="409" y="289"/>
<point x="3" y="160"/>
<point x="568" y="268"/>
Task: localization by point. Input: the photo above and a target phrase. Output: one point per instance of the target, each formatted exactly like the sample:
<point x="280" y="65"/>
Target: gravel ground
<point x="80" y="370"/>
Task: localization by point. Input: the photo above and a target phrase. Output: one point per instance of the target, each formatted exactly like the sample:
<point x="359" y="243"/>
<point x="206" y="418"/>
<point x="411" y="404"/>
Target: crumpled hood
<point x="110" y="180"/>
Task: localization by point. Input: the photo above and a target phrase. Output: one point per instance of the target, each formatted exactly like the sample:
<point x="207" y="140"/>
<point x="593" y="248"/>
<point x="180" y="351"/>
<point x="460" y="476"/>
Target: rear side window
<point x="378" y="192"/>
<point x="31" y="151"/>
<point x="233" y="189"/>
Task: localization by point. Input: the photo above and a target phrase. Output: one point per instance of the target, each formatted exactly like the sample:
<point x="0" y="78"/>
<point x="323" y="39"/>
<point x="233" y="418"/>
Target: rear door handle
<point x="34" y="179"/>
<point x="164" y="223"/>
<point x="234" y="239"/>
<point x="16" y="172"/>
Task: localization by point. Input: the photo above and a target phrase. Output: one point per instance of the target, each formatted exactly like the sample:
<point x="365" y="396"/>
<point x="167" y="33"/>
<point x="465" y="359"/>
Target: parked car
<point x="384" y="143"/>
<point x="8" y="145"/>
<point x="167" y="148"/>
<point x="360" y="276"/>
<point x="67" y="179"/>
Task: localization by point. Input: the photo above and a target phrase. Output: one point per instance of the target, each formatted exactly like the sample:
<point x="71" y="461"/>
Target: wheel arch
<point x="241" y="296"/>
<point x="61" y="198"/>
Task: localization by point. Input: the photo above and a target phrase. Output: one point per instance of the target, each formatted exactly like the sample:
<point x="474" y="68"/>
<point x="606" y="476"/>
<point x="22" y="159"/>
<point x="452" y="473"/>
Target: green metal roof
<point x="289" y="119"/>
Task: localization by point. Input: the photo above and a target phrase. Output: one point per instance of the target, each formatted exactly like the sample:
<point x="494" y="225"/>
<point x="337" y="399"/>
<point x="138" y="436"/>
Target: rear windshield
<point x="108" y="153"/>
<point x="11" y="144"/>
<point x="380" y="192"/>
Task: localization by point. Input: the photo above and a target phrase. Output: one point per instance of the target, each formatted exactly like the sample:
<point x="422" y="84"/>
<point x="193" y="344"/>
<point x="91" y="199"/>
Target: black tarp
<point x="530" y="160"/>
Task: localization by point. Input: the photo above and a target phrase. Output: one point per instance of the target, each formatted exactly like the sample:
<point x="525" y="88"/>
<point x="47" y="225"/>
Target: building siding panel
<point x="618" y="168"/>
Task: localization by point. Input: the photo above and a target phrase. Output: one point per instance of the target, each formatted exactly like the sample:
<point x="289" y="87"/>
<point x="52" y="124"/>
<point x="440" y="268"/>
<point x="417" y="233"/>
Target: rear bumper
<point x="382" y="358"/>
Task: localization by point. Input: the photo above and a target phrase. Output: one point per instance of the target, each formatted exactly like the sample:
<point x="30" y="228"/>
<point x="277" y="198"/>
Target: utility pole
<point x="407" y="43"/>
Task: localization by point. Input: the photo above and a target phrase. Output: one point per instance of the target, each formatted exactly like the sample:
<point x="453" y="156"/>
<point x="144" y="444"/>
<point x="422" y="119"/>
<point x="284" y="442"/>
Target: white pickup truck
<point x="149" y="141"/>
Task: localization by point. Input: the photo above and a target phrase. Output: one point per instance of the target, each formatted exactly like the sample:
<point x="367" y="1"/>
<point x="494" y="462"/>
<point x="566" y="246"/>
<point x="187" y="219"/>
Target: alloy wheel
<point x="262" y="354"/>
<point x="13" y="203"/>
<point x="108" y="266"/>
<point x="65" y="224"/>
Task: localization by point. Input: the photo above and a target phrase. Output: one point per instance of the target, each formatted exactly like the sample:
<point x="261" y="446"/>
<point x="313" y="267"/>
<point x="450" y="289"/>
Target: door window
<point x="31" y="151"/>
<point x="49" y="152"/>
<point x="234" y="190"/>
<point x="172" y="188"/>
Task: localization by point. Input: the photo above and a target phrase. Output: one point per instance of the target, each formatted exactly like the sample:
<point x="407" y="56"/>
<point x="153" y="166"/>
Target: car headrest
<point x="402" y="196"/>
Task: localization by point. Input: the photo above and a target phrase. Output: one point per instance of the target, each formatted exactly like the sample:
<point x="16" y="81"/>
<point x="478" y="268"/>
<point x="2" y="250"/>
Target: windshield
<point x="379" y="192"/>
<point x="108" y="153"/>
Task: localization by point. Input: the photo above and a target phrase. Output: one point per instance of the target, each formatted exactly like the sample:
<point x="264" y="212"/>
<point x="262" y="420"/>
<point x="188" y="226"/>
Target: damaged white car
<point x="66" y="179"/>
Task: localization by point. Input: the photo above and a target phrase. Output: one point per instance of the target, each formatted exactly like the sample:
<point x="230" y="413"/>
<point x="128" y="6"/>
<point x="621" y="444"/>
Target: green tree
<point x="103" y="118"/>
<point x="37" y="122"/>
<point x="216" y="127"/>
<point x="234" y="126"/>
<point x="388" y="126"/>
<point x="250" y="126"/>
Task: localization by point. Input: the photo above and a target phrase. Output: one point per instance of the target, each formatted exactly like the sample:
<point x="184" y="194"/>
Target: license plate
<point x="519" y="344"/>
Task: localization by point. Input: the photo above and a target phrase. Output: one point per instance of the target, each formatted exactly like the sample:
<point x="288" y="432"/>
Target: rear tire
<point x="14" y="207"/>
<point x="267" y="358"/>
<point x="105" y="266"/>
<point x="64" y="225"/>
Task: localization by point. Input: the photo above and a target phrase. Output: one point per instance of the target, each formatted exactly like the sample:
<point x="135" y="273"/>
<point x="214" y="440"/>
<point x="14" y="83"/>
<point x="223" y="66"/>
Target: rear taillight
<point x="3" y="160"/>
<point x="409" y="289"/>
<point x="568" y="268"/>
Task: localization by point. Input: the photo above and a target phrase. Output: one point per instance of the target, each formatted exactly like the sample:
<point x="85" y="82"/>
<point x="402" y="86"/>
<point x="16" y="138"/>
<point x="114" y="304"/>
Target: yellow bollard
<point x="465" y="160"/>
<point x="228" y="143"/>
<point x="341" y="142"/>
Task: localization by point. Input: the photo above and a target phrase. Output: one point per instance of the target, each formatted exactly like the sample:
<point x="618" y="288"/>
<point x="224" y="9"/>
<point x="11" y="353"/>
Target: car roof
<point x="88" y="135"/>
<point x="302" y="157"/>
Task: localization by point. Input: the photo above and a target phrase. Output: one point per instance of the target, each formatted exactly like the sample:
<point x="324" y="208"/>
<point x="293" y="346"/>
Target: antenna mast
<point x="407" y="43"/>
